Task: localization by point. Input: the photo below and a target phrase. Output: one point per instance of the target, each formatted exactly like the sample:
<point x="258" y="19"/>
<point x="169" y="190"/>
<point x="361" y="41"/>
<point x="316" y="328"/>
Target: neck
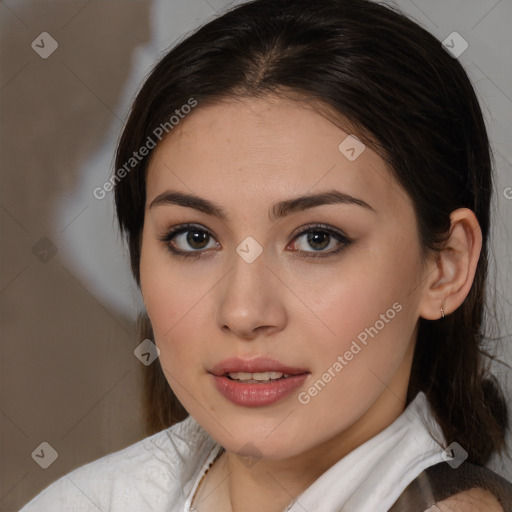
<point x="240" y="483"/>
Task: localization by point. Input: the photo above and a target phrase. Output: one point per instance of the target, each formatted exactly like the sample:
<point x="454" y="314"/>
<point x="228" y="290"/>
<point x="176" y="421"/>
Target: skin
<point x="245" y="155"/>
<point x="473" y="500"/>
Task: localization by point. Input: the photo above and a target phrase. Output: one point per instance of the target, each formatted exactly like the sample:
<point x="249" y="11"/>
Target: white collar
<point x="370" y="478"/>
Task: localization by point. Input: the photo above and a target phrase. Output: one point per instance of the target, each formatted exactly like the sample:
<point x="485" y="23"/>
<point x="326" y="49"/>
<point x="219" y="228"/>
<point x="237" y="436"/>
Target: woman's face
<point x="335" y="307"/>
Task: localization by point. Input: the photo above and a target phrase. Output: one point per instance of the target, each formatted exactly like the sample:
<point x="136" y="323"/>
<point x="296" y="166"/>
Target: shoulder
<point x="466" y="488"/>
<point x="470" y="487"/>
<point x="472" y="500"/>
<point x="142" y="476"/>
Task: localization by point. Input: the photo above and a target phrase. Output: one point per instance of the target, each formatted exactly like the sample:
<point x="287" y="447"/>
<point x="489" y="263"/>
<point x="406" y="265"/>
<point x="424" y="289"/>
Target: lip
<point x="253" y="394"/>
<point x="255" y="365"/>
<point x="257" y="394"/>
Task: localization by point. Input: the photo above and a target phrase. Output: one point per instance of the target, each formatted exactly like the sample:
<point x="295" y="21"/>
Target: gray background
<point x="68" y="302"/>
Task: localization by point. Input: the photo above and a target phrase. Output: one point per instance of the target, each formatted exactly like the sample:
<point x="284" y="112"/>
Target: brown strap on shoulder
<point x="441" y="481"/>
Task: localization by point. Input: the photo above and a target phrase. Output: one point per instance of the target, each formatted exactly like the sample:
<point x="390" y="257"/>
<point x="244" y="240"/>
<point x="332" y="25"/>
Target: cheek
<point x="369" y="315"/>
<point x="175" y="302"/>
<point x="351" y="368"/>
<point x="371" y="333"/>
<point x="355" y="295"/>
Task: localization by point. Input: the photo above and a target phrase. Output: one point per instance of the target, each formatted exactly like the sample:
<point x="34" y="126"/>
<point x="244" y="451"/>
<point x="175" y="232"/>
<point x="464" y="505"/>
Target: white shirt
<point x="161" y="473"/>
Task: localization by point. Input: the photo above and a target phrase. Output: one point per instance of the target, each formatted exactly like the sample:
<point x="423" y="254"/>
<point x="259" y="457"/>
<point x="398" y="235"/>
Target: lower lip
<point x="257" y="395"/>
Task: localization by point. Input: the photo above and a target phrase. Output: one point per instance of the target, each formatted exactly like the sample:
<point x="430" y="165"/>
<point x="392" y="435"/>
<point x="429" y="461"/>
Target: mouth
<point x="259" y="369"/>
<point x="258" y="377"/>
<point x="256" y="382"/>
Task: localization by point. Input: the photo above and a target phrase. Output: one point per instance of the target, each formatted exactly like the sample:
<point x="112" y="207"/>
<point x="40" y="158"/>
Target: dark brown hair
<point x="405" y="96"/>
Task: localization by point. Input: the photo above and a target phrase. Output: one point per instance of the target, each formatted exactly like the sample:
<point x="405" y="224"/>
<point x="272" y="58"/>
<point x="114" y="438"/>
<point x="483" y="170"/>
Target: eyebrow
<point x="278" y="210"/>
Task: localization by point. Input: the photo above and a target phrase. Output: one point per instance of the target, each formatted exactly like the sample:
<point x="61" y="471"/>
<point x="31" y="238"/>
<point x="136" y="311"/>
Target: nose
<point x="250" y="302"/>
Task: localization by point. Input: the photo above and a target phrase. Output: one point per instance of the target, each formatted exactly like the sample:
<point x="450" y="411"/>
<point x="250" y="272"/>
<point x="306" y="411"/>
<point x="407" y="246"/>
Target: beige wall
<point x="68" y="374"/>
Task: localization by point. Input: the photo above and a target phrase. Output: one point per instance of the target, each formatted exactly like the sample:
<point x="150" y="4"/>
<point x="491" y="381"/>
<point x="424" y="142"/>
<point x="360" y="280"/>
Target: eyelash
<point x="322" y="228"/>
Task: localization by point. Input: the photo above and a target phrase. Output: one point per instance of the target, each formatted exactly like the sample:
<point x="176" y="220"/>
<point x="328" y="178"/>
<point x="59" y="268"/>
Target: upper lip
<point x="255" y="365"/>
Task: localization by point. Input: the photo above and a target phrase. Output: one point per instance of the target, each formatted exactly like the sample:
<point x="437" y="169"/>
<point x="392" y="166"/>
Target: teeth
<point x="260" y="376"/>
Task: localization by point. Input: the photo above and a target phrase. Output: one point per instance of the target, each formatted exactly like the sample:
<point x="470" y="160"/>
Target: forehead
<point x="267" y="149"/>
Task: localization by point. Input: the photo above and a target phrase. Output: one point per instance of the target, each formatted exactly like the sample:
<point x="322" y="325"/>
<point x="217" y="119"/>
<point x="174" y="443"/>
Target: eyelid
<point x="339" y="235"/>
<point x="319" y="227"/>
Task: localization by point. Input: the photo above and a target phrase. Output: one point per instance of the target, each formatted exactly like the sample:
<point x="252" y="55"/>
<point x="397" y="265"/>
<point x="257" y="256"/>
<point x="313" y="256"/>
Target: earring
<point x="442" y="312"/>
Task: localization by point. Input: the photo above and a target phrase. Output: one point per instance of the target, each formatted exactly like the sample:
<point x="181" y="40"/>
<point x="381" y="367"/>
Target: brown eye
<point x="196" y="238"/>
<point x="189" y="240"/>
<point x="317" y="239"/>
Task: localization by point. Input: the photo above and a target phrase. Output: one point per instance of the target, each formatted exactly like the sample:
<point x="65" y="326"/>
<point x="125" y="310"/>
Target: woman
<point x="305" y="190"/>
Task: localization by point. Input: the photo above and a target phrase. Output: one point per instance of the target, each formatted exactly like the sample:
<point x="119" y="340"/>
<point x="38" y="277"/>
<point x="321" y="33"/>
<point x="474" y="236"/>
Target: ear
<point x="450" y="276"/>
